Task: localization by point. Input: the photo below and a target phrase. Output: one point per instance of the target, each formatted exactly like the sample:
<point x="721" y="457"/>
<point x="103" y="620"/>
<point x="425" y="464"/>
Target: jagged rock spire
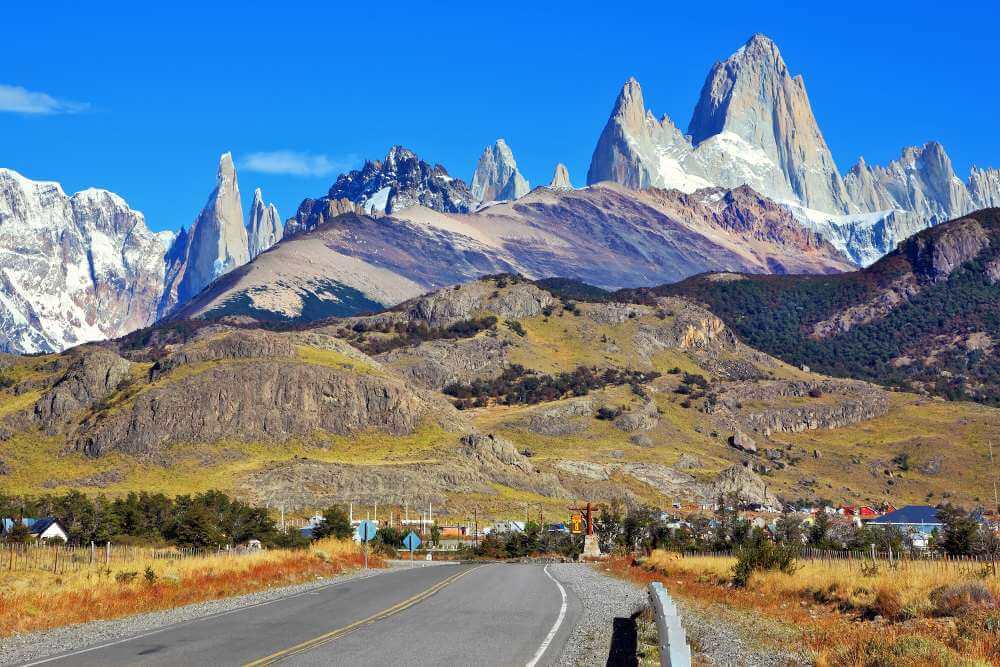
<point x="215" y="244"/>
<point x="496" y="177"/>
<point x="560" y="179"/>
<point x="264" y="226"/>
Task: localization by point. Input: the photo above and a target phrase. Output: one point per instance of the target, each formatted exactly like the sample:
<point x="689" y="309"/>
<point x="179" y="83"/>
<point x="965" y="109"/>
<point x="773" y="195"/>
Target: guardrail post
<point x="674" y="649"/>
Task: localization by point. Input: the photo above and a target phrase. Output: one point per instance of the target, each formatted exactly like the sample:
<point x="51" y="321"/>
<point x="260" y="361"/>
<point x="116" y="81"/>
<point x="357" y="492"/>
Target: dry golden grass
<point x="37" y="600"/>
<point x="850" y="614"/>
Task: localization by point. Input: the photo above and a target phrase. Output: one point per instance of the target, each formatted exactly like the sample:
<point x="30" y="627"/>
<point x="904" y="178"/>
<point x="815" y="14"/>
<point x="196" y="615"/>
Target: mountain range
<point x="751" y="187"/>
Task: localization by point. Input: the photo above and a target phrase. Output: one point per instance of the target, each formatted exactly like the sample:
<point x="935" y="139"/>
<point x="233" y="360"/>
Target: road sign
<point x="411" y="541"/>
<point x="366" y="531"/>
<point x="577" y="521"/>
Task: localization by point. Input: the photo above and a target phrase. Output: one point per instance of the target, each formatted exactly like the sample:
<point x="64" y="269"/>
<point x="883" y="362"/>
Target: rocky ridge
<point x="394" y="184"/>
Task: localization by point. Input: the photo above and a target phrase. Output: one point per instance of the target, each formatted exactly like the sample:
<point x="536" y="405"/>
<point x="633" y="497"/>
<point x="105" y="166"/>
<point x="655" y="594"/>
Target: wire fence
<point x="62" y="559"/>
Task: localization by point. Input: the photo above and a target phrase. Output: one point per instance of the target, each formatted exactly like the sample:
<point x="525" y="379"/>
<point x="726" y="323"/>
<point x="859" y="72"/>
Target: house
<point x="917" y="522"/>
<point x="46" y="528"/>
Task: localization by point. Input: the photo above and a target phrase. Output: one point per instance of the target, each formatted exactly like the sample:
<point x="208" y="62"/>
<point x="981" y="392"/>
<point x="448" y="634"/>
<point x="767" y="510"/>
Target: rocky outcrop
<point x="496" y="177"/>
<point x="743" y="442"/>
<point x="398" y="182"/>
<point x="216" y="346"/>
<point x="684" y="326"/>
<point x="935" y="255"/>
<point x="744" y="486"/>
<point x="73" y="269"/>
<point x="516" y="301"/>
<point x="477" y="467"/>
<point x="215" y="245"/>
<point x="829" y="404"/>
<point x="642" y="419"/>
<point x="501" y="462"/>
<point x="264" y="227"/>
<point x="434" y="364"/>
<point x="564" y="418"/>
<point x="560" y="179"/>
<point x="96" y="374"/>
<point x="269" y="401"/>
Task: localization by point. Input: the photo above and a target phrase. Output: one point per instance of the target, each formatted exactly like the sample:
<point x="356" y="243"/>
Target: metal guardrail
<point x="674" y="649"/>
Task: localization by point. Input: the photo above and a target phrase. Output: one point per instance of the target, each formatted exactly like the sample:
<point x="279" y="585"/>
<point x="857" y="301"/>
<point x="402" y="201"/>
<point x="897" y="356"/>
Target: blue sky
<point x="143" y="100"/>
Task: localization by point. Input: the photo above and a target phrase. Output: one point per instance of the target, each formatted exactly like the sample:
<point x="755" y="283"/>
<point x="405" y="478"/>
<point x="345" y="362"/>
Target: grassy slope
<point x="921" y="427"/>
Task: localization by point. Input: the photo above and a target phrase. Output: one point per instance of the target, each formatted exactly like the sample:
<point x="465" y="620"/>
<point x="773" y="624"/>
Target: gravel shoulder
<point x="36" y="645"/>
<point x="718" y="635"/>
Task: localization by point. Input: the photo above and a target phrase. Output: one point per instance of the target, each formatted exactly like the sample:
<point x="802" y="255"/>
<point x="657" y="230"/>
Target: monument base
<point x="590" y="547"/>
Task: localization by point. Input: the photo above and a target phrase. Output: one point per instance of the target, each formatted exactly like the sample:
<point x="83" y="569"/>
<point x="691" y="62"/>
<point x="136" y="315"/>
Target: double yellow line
<point x="310" y="644"/>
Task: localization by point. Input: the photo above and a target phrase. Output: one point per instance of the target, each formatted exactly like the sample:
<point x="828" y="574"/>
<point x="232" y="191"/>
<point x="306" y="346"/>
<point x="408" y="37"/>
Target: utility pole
<point x="475" y="530"/>
<point x="376" y="511"/>
<point x="350" y="511"/>
<point x="282" y="517"/>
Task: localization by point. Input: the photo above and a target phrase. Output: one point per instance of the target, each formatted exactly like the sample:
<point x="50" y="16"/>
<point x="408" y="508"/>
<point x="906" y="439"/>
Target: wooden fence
<point x="62" y="559"/>
<point x="975" y="565"/>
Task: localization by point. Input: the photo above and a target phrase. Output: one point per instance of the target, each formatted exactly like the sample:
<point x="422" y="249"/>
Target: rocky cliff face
<point x="400" y="181"/>
<point x="496" y="177"/>
<point x="751" y="99"/>
<point x="753" y="125"/>
<point x="264" y="227"/>
<point x="560" y="179"/>
<point x="73" y="269"/>
<point x="214" y="245"/>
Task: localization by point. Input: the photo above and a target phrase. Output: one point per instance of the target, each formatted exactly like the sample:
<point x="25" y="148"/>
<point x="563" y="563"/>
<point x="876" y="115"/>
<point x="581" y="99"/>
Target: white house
<point x="40" y="529"/>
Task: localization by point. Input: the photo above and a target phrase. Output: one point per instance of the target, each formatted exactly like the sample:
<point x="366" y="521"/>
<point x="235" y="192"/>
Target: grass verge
<point x="32" y="601"/>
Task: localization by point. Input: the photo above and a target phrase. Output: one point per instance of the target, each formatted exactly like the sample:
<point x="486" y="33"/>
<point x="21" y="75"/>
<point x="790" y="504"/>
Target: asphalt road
<point x="493" y="614"/>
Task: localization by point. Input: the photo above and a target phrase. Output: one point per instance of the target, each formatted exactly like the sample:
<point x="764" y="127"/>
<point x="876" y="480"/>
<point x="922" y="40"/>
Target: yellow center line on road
<point x="340" y="632"/>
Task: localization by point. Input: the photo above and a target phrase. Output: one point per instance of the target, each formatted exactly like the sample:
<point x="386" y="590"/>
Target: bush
<point x="960" y="599"/>
<point x="516" y="327"/>
<point x="888" y="604"/>
<point x="125" y="578"/>
<point x="760" y="554"/>
<point x="149" y="575"/>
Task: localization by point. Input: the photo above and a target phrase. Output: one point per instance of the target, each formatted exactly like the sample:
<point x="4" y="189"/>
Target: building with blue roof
<point x="46" y="528"/>
<point x="918" y="522"/>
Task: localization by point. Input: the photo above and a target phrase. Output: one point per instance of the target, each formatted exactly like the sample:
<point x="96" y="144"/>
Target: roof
<point x="35" y="526"/>
<point x="911" y="514"/>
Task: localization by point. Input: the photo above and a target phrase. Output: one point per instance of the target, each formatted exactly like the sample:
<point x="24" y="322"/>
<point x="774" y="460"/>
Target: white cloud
<point x="296" y="164"/>
<point x="21" y="100"/>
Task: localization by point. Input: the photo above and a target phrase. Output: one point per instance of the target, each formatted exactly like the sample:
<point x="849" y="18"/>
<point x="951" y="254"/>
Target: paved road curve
<point x="494" y="614"/>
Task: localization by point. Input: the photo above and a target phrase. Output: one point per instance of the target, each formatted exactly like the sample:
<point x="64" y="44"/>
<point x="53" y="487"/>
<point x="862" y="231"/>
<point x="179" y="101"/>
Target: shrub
<point x="760" y="554"/>
<point x="149" y="575"/>
<point x="125" y="578"/>
<point x="516" y="327"/>
<point x="960" y="599"/>
<point x="888" y="604"/>
<point x="816" y="392"/>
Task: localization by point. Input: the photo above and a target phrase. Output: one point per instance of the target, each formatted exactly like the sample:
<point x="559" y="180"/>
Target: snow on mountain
<point x="754" y="125"/>
<point x="496" y="177"/>
<point x="214" y="245"/>
<point x="72" y="269"/>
